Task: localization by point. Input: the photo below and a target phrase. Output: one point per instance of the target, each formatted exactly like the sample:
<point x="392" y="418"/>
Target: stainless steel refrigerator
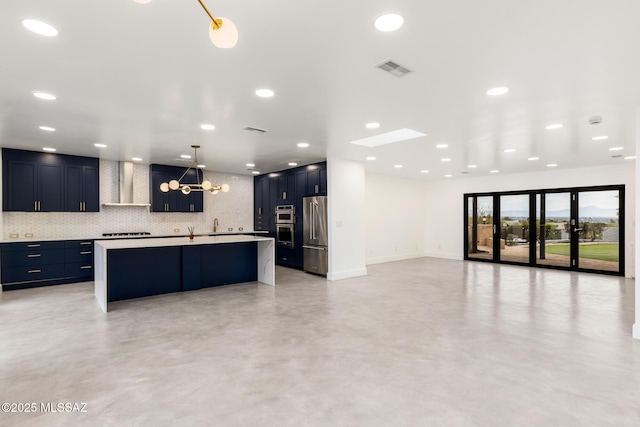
<point x="316" y="240"/>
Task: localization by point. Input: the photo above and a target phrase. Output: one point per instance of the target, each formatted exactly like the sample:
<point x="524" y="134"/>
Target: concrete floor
<point x="425" y="342"/>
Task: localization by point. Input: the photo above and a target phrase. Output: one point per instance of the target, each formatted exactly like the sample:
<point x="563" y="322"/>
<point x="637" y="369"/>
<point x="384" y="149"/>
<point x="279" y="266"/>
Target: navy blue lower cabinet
<point x="135" y="273"/>
<point x="191" y="268"/>
<point x="223" y="264"/>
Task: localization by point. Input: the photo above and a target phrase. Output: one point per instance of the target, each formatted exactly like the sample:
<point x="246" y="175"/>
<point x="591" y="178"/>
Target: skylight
<point x="389" y="138"/>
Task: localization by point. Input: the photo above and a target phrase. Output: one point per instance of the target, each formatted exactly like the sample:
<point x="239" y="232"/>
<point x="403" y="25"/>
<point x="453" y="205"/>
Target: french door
<point x="578" y="229"/>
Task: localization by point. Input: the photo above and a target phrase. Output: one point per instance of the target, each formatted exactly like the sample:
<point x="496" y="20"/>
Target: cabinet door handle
<point x="85" y="243"/>
<point x="34" y="255"/>
<point x="85" y="252"/>
<point x="35" y="206"/>
<point x="284" y="195"/>
<point x="80" y="206"/>
<point x="85" y="267"/>
<point x="39" y="208"/>
<point x="34" y="271"/>
<point x="34" y="246"/>
<point x="84" y="206"/>
<point x="259" y="211"/>
<point x="317" y="188"/>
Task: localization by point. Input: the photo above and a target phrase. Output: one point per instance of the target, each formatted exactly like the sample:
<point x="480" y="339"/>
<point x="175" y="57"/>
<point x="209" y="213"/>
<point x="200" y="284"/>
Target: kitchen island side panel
<point x="142" y="272"/>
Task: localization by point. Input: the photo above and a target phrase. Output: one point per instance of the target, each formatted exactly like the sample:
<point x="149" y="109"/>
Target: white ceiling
<point x="141" y="78"/>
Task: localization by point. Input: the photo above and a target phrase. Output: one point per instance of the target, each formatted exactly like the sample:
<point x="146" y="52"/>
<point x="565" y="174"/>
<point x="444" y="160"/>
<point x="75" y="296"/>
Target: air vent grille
<point x="252" y="129"/>
<point x="394" y="68"/>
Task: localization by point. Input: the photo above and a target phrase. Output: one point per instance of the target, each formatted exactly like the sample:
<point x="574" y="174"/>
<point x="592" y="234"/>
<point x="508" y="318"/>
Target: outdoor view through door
<point x="575" y="228"/>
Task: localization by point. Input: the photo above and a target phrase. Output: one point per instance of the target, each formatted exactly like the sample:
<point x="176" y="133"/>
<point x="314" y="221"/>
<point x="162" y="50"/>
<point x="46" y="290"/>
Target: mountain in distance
<point x="594" y="212"/>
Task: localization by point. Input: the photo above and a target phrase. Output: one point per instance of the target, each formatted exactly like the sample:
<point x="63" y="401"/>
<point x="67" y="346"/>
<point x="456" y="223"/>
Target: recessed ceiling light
<point x="533" y="158"/>
<point x="372" y="125"/>
<point x="303" y="144"/>
<point x="554" y="126"/>
<point x="206" y="126"/>
<point x="250" y="165"/>
<point x="600" y="138"/>
<point x="388" y="22"/>
<point x="49" y="149"/>
<point x="424" y="171"/>
<point x="255" y="172"/>
<point x="510" y="150"/>
<point x="630" y="157"/>
<point x="442" y="145"/>
<point x="494" y="171"/>
<point x="136" y="159"/>
<point x="445" y="159"/>
<point x="143" y="1"/>
<point x="185" y="156"/>
<point x="498" y="91"/>
<point x="448" y="175"/>
<point x="264" y="93"/>
<point x="47" y="128"/>
<point x="371" y="158"/>
<point x="40" y="27"/>
<point x="397" y="166"/>
<point x="100" y="145"/>
<point x="616" y="148"/>
<point x="472" y="166"/>
<point x="552" y="165"/>
<point x="44" y="95"/>
<point x="389" y="137"/>
<point x="292" y="164"/>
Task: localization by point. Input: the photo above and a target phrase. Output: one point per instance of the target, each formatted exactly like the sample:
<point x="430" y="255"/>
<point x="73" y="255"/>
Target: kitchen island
<point x="134" y="268"/>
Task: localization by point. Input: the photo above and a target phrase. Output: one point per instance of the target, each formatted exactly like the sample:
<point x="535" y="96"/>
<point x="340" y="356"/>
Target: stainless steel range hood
<point x="125" y="193"/>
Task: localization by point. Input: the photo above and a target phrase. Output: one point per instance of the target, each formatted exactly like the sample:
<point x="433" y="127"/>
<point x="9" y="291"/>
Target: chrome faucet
<point x="215" y="225"/>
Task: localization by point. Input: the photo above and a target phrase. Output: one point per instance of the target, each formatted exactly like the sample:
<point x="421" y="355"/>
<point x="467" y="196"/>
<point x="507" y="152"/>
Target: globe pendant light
<point x="205" y="185"/>
<point x="223" y="33"/>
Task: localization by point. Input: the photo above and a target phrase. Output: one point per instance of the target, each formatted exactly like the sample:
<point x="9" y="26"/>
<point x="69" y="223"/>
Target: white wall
<point x="395" y="218"/>
<point x="346" y="189"/>
<point x="233" y="210"/>
<point x="445" y="216"/>
<point x="636" y="326"/>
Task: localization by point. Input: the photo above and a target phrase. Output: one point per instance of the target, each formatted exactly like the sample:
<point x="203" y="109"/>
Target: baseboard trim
<point x="339" y="275"/>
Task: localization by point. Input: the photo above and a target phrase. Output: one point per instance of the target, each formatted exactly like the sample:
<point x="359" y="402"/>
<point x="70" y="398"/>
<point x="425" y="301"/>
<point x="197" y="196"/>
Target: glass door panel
<point x="598" y="230"/>
<point x="553" y="216"/>
<point x="514" y="228"/>
<point x="480" y="228"/>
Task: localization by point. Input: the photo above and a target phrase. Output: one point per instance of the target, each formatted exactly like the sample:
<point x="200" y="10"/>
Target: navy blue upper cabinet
<point x="82" y="185"/>
<point x="174" y="200"/>
<point x="39" y="182"/>
<point x="317" y="179"/>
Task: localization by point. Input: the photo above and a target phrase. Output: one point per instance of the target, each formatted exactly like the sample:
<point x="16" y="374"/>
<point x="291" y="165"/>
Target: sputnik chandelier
<point x="202" y="183"/>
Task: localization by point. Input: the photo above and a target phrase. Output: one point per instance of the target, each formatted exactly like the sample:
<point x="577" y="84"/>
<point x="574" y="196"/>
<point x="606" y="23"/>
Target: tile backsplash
<point x="233" y="210"/>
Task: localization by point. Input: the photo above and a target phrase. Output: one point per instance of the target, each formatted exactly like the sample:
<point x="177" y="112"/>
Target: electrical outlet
<point x="230" y="229"/>
<point x="176" y="230"/>
<point x="14" y="235"/>
<point x="240" y="229"/>
<point x="28" y="234"/>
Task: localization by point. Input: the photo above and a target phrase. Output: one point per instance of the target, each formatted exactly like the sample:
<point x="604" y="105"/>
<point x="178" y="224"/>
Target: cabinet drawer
<point x="80" y="269"/>
<point x="79" y="244"/>
<point x="30" y="274"/>
<point x="29" y="246"/>
<point x="35" y="257"/>
<point x="79" y="255"/>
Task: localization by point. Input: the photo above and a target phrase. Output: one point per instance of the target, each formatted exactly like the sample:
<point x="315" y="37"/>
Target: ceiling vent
<point x="256" y="130"/>
<point x="394" y="68"/>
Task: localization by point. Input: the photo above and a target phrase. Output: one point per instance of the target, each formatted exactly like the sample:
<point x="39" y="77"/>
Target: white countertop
<point x="177" y="241"/>
<point x="50" y="239"/>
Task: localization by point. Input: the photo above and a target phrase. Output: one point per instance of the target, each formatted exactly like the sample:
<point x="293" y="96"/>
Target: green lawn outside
<point x="601" y="251"/>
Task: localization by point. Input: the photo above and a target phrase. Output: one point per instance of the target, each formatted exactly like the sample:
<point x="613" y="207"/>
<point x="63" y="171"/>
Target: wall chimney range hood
<point x="125" y="193"/>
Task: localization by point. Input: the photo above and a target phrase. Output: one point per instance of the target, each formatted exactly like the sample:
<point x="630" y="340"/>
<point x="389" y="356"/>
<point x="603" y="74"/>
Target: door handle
<point x="577" y="230"/>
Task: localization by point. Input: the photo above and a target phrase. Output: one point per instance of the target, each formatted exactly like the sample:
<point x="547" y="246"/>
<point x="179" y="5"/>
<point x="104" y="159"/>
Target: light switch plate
<point x="176" y="230"/>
